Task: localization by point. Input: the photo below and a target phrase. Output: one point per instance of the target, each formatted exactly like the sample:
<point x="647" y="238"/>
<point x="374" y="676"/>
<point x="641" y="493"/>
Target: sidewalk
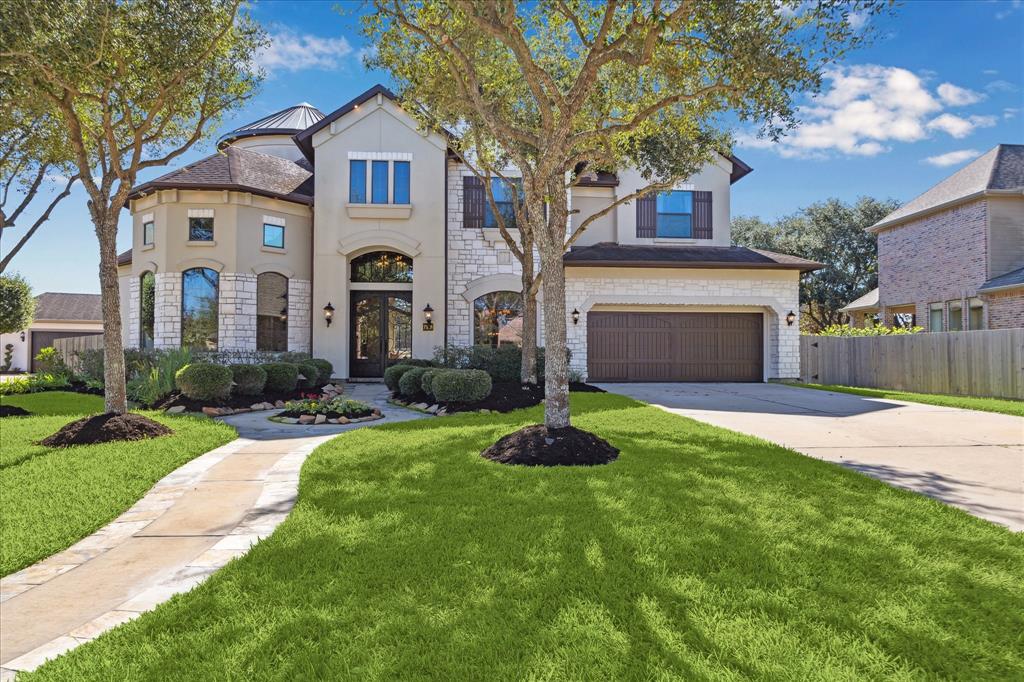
<point x="188" y="525"/>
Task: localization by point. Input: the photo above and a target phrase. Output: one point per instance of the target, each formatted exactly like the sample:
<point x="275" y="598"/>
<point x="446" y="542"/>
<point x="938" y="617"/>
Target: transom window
<point x="200" y="229"/>
<point x="675" y="214"/>
<point x="148" y="232"/>
<point x="382" y="266"/>
<point x="273" y="235"/>
<point x="498" y="319"/>
<point x="504" y="192"/>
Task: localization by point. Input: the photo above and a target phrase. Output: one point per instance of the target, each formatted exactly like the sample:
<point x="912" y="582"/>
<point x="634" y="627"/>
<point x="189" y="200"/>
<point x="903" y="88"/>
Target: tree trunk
<point x="556" y="366"/>
<point x="115" y="399"/>
<point x="528" y="368"/>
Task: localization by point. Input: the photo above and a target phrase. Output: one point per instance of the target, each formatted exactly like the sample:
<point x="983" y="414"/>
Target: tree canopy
<point x="830" y="232"/>
<point x="17" y="307"/>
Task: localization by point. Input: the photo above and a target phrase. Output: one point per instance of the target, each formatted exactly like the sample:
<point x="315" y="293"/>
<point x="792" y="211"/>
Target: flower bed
<point x="328" y="410"/>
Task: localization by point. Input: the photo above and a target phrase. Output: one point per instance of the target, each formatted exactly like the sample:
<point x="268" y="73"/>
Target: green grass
<point x="55" y="402"/>
<point x="53" y="497"/>
<point x="699" y="554"/>
<point x="1000" y="405"/>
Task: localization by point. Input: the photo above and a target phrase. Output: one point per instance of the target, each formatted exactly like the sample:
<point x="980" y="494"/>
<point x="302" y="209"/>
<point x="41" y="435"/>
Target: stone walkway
<point x="192" y="522"/>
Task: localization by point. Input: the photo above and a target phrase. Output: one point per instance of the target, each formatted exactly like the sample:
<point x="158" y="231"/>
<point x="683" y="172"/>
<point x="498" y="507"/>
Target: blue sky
<point x="943" y="83"/>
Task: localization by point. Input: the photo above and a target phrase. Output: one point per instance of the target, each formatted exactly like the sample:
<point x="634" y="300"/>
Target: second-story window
<point x="148" y="232"/>
<point x="200" y="228"/>
<point x="273" y="235"/>
<point x="675" y="214"/>
<point x="357" y="182"/>
<point x="400" y="191"/>
<point x="504" y="192"/>
<point x="379" y="191"/>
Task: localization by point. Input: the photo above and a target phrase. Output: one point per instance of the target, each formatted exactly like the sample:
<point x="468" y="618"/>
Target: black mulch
<point x="354" y="414"/>
<point x="105" y="428"/>
<point x="539" y="446"/>
<point x="13" y="411"/>
<point x="505" y="396"/>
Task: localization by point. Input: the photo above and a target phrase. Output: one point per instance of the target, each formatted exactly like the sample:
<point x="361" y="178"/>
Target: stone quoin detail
<point x="167" y="314"/>
<point x="299" y="302"/>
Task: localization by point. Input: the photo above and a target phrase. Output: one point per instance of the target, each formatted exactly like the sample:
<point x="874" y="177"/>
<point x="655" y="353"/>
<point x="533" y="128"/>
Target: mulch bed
<point x="356" y="414"/>
<point x="505" y="396"/>
<point x="234" y="402"/>
<point x="539" y="446"/>
<point x="13" y="411"/>
<point x="106" y="428"/>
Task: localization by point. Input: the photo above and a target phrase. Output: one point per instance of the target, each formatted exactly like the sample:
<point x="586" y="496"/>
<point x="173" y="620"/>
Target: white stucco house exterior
<point x="362" y="239"/>
<point x="58" y="315"/>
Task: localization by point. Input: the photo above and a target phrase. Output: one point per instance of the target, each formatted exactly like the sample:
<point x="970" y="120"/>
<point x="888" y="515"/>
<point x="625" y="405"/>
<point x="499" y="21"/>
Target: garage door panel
<point x="648" y="346"/>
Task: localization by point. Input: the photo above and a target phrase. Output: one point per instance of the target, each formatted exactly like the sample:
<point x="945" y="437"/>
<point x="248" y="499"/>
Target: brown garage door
<point x="628" y="346"/>
<point x="41" y="340"/>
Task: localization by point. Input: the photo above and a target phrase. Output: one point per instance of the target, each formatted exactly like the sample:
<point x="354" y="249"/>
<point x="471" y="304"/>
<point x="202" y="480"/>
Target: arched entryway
<point x="380" y="283"/>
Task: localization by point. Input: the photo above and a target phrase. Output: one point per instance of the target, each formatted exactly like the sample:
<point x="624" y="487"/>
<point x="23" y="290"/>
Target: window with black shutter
<point x="473" y="199"/>
<point x="647" y="216"/>
<point x="702" y="215"/>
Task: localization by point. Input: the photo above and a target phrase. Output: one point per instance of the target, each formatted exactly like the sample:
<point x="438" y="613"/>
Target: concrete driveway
<point x="972" y="460"/>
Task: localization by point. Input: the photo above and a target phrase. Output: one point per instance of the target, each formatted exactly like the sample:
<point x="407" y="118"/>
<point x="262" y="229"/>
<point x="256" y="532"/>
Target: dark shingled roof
<point x="1012" y="279"/>
<point x="607" y="179"/>
<point x="240" y="170"/>
<point x="285" y="122"/>
<point x="304" y="139"/>
<point x="1000" y="169"/>
<point x="609" y="254"/>
<point x="54" y="305"/>
<point x="124" y="258"/>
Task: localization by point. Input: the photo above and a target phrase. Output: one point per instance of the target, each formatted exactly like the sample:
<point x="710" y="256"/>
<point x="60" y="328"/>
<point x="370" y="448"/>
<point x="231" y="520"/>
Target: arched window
<point x="382" y="266"/>
<point x="498" y="319"/>
<point x="271" y="311"/>
<point x="147" y="310"/>
<point x="199" y="300"/>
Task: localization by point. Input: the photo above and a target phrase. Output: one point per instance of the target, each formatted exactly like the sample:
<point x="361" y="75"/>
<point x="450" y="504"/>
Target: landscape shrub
<point x="393" y="374"/>
<point x="346" y="407"/>
<point x="326" y="370"/>
<point x="282" y="377"/>
<point x="418" y="362"/>
<point x="8" y="357"/>
<point x="249" y="379"/>
<point x="34" y="384"/>
<point x="17" y="306"/>
<point x="425" y="380"/>
<point x="309" y="374"/>
<point x="409" y="384"/>
<point x="249" y="357"/>
<point x="154" y="378"/>
<point x="461" y="385"/>
<point x="874" y="330"/>
<point x="502" y="363"/>
<point x="49" y="361"/>
<point x="204" y="381"/>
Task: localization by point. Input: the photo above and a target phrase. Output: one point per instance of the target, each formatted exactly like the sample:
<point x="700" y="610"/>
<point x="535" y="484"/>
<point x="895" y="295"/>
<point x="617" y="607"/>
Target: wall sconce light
<point x="791" y="318"/>
<point x="23" y="337"/>
<point x="575" y="316"/>
<point x="428" y="318"/>
<point x="328" y="313"/>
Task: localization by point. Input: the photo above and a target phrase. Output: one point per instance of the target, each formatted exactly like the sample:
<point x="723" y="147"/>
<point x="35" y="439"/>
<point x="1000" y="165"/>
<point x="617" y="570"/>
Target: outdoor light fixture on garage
<point x="575" y="316"/>
<point x="328" y="313"/>
<point x="428" y="319"/>
<point x="791" y="318"/>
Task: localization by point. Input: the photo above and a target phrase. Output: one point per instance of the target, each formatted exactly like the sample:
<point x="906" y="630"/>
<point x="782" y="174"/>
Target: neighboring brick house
<point x="953" y="258"/>
<point x="362" y="215"/>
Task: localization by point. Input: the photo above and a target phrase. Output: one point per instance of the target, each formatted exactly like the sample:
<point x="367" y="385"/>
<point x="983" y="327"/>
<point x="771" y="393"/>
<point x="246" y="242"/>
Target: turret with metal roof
<point x="288" y="121"/>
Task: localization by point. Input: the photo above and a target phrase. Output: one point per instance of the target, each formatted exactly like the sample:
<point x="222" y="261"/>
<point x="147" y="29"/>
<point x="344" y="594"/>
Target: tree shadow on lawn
<point x="699" y="553"/>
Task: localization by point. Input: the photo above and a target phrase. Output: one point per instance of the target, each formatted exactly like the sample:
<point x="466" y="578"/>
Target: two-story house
<point x="362" y="239"/>
<point x="952" y="259"/>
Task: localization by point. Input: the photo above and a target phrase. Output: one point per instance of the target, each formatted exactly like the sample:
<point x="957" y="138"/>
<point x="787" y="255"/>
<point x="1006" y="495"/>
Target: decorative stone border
<point x="435" y="409"/>
<point x="316" y="420"/>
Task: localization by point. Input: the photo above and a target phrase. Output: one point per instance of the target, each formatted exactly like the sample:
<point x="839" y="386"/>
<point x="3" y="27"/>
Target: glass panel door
<point x="399" y="327"/>
<point x="367" y="337"/>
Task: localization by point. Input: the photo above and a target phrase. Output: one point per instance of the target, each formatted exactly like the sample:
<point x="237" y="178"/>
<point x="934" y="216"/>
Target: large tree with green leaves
<point x="134" y="84"/>
<point x="649" y="84"/>
<point x="831" y="232"/>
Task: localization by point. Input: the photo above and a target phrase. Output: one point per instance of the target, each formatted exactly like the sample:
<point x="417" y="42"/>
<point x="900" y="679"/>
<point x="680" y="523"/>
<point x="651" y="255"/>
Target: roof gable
<point x="304" y="139"/>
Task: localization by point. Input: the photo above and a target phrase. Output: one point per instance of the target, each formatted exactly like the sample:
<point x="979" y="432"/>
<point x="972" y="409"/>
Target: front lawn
<point x="52" y="497"/>
<point x="699" y="554"/>
<point x="55" y="402"/>
<point x="1000" y="405"/>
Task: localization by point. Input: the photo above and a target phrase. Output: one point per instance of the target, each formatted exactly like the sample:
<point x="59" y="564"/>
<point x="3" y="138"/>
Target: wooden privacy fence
<point x="977" y="363"/>
<point x="69" y="347"/>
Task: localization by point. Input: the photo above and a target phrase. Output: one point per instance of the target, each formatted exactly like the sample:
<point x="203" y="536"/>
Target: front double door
<point x="381" y="331"/>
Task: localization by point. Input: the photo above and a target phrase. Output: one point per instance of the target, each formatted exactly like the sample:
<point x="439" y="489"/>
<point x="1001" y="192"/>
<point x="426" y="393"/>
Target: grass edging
<point x="1013" y="408"/>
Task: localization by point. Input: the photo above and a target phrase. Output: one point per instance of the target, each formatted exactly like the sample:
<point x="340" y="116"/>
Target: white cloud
<point x="953" y="158"/>
<point x="991" y="72"/>
<point x="865" y="109"/>
<point x="960" y="127"/>
<point x="857" y="20"/>
<point x="1001" y="86"/>
<point x="957" y="96"/>
<point x="1010" y="112"/>
<point x="291" y="51"/>
<point x="1008" y="9"/>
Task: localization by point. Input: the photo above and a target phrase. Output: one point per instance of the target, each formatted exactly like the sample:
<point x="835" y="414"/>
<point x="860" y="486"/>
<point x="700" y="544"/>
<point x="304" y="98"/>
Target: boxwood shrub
<point x="393" y="374"/>
<point x="282" y="377"/>
<point x="310" y="374"/>
<point x="326" y="370"/>
<point x="461" y="385"/>
<point x="409" y="384"/>
<point x="425" y="380"/>
<point x="249" y="379"/>
<point x="204" y="381"/>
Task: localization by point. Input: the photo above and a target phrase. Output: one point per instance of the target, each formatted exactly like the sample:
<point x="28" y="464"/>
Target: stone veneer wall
<point x="470" y="257"/>
<point x="776" y="297"/>
<point x="236" y="311"/>
<point x="937" y="258"/>
<point x="167" y="316"/>
<point x="300" y="298"/>
<point x="134" y="312"/>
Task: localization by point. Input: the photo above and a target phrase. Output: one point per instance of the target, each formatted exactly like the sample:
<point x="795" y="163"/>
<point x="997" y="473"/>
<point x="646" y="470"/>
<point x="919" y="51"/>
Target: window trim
<point x="273" y="246"/>
<point x="658" y="214"/>
<point x="975" y="303"/>
<point x="959" y="303"/>
<point x="181" y="325"/>
<point x="940" y="309"/>
<point x="473" y="314"/>
<point x="148" y="233"/>
<point x="213" y="228"/>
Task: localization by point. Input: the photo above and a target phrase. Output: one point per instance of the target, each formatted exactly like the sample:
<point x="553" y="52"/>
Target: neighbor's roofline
<point x="687" y="265"/>
<point x="974" y="196"/>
